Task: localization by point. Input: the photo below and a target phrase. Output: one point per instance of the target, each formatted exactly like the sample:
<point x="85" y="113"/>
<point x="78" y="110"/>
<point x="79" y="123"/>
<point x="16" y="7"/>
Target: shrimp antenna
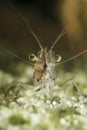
<point x="70" y="59"/>
<point x="58" y="38"/>
<point x="13" y="54"/>
<point x="28" y="27"/>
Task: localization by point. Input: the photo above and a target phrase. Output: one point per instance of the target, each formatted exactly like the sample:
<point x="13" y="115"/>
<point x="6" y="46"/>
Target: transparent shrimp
<point x="45" y="61"/>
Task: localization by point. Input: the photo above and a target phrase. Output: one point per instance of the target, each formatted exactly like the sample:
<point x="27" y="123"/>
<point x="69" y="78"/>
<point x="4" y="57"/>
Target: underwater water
<point x="63" y="107"/>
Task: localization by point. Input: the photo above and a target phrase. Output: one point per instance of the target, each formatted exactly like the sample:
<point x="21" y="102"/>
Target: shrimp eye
<point x="32" y="57"/>
<point x="58" y="58"/>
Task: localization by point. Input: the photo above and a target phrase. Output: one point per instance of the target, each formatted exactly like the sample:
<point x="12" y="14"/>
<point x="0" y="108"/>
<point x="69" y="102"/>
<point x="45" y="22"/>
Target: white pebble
<point x="69" y="103"/>
<point x="54" y="103"/>
<point x="21" y="100"/>
<point x="63" y="121"/>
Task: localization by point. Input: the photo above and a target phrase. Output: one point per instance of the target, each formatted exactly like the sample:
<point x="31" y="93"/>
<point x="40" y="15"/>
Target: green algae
<point x="60" y="108"/>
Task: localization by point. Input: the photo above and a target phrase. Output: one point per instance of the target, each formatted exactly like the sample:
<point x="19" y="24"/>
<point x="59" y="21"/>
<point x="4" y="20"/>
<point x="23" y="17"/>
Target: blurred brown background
<point x="47" y="18"/>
